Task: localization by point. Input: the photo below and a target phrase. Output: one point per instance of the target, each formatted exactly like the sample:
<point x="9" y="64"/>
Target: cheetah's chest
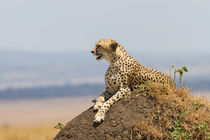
<point x="112" y="81"/>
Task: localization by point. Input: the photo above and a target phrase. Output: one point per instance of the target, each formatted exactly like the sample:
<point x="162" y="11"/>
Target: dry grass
<point x="27" y="133"/>
<point x="179" y="115"/>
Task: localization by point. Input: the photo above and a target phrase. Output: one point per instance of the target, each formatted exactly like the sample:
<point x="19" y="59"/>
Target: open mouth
<point x="99" y="56"/>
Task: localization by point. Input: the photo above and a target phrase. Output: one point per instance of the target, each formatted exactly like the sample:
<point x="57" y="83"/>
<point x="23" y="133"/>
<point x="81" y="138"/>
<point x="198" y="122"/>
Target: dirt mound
<point x="159" y="114"/>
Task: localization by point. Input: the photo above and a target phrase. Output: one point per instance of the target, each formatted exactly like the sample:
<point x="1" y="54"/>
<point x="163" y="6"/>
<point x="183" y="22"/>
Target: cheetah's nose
<point x="92" y="51"/>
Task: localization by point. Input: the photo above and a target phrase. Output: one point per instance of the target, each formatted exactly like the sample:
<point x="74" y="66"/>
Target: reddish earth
<point x="118" y="123"/>
<point x="150" y="116"/>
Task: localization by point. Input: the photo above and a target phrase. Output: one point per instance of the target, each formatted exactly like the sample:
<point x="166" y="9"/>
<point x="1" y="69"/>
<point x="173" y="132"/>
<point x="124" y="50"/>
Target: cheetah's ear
<point x="114" y="46"/>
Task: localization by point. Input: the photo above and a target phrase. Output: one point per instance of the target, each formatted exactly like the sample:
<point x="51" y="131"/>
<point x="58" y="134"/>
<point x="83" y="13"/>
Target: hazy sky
<point x="139" y="25"/>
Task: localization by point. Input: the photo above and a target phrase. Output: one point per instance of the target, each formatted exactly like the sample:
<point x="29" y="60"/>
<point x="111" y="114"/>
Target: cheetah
<point x="122" y="76"/>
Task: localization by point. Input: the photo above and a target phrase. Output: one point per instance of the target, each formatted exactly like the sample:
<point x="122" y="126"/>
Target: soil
<point x="118" y="122"/>
<point x="160" y="114"/>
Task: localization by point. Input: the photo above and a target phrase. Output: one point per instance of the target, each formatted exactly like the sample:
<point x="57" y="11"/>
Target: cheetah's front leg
<point x="101" y="99"/>
<point x="100" y="115"/>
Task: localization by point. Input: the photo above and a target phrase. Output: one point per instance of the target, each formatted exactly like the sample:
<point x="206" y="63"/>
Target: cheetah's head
<point x="106" y="49"/>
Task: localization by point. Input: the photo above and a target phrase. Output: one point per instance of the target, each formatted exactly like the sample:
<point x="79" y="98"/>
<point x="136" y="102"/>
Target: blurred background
<point x="47" y="73"/>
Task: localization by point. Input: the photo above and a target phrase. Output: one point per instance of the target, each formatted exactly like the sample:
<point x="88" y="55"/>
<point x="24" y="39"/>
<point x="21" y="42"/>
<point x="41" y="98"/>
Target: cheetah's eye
<point x="98" y="46"/>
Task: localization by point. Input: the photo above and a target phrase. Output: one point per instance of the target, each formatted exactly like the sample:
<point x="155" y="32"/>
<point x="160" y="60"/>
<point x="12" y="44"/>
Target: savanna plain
<point x="36" y="119"/>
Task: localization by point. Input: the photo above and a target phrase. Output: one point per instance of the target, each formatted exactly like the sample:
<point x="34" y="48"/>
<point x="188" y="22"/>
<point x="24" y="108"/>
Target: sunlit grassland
<point x="46" y="132"/>
<point x="36" y="119"/>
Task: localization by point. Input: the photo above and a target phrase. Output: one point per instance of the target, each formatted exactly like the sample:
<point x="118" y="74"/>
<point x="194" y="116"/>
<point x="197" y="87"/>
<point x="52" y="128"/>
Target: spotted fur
<point x="123" y="75"/>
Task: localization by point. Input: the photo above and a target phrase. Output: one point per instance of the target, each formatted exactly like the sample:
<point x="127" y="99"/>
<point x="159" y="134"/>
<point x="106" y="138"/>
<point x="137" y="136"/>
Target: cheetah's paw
<point x="99" y="118"/>
<point x="97" y="106"/>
